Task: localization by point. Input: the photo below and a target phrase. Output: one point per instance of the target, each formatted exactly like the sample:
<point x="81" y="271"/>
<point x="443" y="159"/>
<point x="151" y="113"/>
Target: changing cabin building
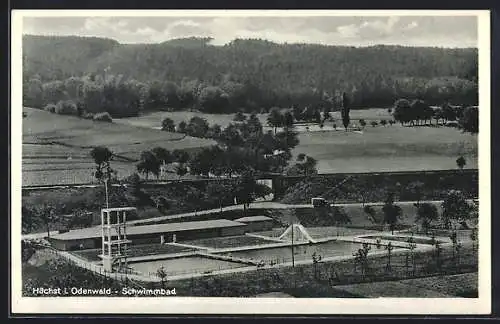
<point x="91" y="238"/>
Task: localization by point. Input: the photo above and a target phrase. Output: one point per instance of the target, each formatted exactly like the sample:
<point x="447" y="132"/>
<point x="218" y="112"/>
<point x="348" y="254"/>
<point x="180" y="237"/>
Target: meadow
<point x="56" y="149"/>
<point x="374" y="149"/>
<point x="41" y="127"/>
<point x="388" y="148"/>
<point x="154" y="119"/>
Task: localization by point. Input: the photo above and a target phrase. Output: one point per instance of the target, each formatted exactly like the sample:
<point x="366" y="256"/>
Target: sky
<point x="440" y="31"/>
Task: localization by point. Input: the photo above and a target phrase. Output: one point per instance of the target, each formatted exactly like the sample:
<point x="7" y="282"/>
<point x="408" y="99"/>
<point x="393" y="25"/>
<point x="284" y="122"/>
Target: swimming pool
<point x="301" y="252"/>
<point x="184" y="265"/>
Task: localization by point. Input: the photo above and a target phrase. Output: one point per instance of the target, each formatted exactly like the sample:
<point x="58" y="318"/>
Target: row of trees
<point x="456" y="209"/>
<point x="418" y="112"/>
<point x="239" y="151"/>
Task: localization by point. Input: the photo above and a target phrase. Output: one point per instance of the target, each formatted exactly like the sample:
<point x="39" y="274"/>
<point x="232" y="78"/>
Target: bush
<point x="374" y="123"/>
<point x="50" y="108"/>
<point x="66" y="108"/>
<point x="104" y="117"/>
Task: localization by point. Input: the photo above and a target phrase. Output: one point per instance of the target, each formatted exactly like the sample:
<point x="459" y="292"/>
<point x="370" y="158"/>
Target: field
<point x="41" y="127"/>
<point x="56" y="149"/>
<point x="154" y="119"/>
<point x="375" y="149"/>
<point x="389" y="148"/>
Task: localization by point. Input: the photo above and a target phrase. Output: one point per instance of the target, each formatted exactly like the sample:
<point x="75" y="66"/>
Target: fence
<point x="122" y="276"/>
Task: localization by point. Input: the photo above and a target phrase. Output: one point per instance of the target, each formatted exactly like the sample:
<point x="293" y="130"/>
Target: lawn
<point x="417" y="240"/>
<point x="227" y="242"/>
<point x="391" y="289"/>
<point x="320" y="232"/>
<point x="460" y="285"/>
<point x="313" y="217"/>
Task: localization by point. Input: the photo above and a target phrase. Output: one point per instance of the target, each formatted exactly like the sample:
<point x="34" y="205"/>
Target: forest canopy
<point x="243" y="75"/>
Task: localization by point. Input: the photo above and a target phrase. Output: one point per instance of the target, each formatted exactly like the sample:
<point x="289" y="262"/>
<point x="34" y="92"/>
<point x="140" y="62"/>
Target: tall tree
<point x="469" y="121"/>
<point x="102" y="157"/>
<point x="461" y="162"/>
<point x="391" y="211"/>
<point x="149" y="163"/>
<point x="28" y="219"/>
<point x="455" y="207"/>
<point x="275" y="119"/>
<point x="426" y="214"/>
<point x="345" y="110"/>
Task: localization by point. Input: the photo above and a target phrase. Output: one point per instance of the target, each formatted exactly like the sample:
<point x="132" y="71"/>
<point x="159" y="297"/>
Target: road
<point x="255" y="205"/>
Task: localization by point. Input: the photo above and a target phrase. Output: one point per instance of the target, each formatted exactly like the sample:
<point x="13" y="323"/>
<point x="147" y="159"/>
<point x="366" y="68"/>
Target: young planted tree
<point x="437" y="254"/>
<point x="454" y="241"/>
<point x="389" y="248"/>
<point x="474" y="238"/>
<point x="383" y="122"/>
<point x="361" y="258"/>
<point x="162" y="274"/>
<point x="461" y="162"/>
<point x="426" y="214"/>
<point x="47" y="214"/>
<point x="374" y="123"/>
<point x="412" y="246"/>
<point x="362" y="123"/>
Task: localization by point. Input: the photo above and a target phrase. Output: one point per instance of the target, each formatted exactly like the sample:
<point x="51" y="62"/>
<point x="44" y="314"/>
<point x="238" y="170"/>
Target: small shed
<point x="257" y="223"/>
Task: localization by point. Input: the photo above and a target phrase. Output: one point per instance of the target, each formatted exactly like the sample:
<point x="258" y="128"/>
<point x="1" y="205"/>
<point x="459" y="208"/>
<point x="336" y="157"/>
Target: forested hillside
<point x="252" y="75"/>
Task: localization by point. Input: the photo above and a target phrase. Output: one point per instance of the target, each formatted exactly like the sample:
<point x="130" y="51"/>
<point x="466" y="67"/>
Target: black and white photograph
<point x="290" y="161"/>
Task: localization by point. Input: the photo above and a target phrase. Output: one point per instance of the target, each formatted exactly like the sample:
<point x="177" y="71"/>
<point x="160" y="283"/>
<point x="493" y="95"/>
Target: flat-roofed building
<point x="90" y="238"/>
<point x="257" y="223"/>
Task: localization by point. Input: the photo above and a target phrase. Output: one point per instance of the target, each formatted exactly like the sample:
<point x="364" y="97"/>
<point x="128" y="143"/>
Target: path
<point x="255" y="205"/>
<point x="265" y="205"/>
